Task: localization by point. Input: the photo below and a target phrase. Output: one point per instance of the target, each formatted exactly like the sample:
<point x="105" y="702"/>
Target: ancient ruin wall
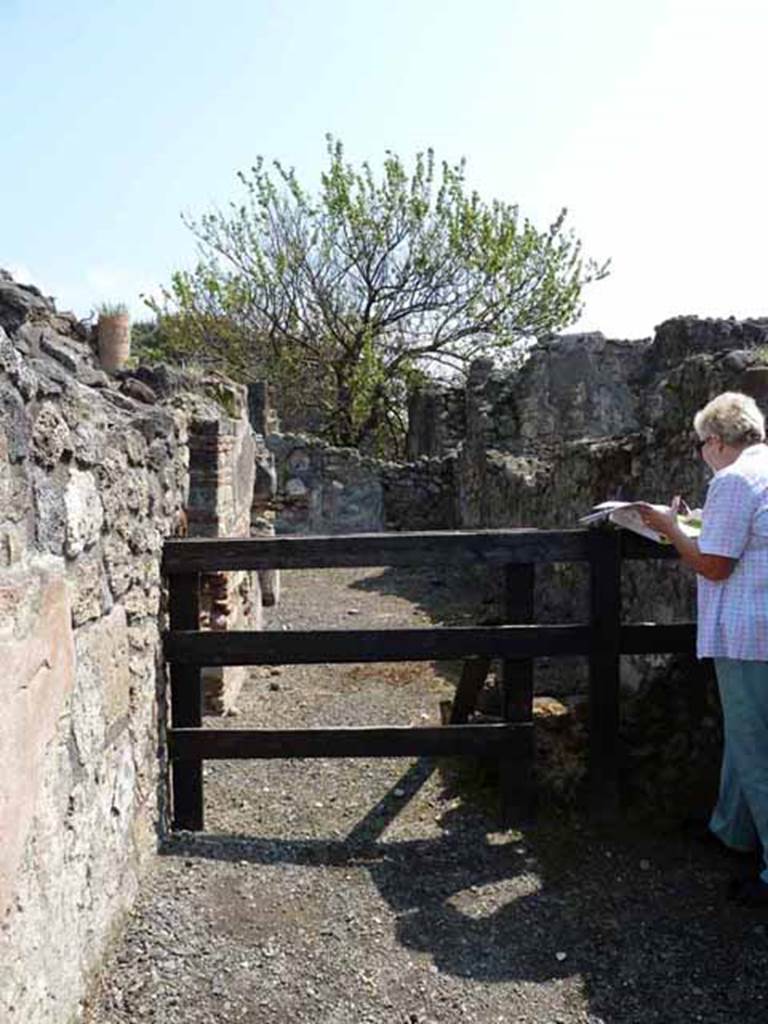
<point x="94" y="474"/>
<point x="588" y="419"/>
<point x="321" y="489"/>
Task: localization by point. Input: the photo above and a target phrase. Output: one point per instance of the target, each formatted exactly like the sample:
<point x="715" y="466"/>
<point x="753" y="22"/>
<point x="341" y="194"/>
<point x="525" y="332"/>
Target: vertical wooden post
<point x="605" y="601"/>
<point x="186" y="704"/>
<point x="474" y="672"/>
<point x="517" y="776"/>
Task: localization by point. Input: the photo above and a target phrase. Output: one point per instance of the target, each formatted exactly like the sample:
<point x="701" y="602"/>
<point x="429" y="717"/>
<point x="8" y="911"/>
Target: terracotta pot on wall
<point x="114" y="340"/>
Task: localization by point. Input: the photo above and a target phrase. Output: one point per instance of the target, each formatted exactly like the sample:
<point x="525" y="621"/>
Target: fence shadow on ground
<point x="455" y="596"/>
<point x="642" y="920"/>
<point x="450" y="596"/>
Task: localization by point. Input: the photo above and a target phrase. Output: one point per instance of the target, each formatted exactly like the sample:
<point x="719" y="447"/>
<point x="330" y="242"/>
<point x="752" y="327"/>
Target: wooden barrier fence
<point x="515" y="552"/>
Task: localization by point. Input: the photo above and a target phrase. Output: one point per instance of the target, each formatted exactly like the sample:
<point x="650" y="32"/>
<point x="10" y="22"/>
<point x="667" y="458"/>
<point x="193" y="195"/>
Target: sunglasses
<point x="700" y="444"/>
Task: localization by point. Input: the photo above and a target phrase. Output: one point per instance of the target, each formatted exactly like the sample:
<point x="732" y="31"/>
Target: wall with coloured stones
<point x="95" y="471"/>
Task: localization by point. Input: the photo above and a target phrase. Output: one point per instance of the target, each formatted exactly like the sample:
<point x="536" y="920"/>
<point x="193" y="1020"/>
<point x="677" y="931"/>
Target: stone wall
<point x="304" y="485"/>
<point x="322" y="489"/>
<point x="420" y="495"/>
<point x="586" y="386"/>
<point x="436" y="420"/>
<point x="94" y="474"/>
<point x="587" y="419"/>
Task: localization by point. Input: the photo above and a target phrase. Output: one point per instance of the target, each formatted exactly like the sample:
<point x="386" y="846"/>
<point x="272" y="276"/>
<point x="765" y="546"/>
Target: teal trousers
<point x="740" y="818"/>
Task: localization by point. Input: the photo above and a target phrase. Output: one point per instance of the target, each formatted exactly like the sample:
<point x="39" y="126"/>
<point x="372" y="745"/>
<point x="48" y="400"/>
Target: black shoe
<point x="749" y="892"/>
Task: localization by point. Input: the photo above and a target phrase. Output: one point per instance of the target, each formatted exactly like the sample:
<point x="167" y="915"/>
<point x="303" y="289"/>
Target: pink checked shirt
<point x="733" y="614"/>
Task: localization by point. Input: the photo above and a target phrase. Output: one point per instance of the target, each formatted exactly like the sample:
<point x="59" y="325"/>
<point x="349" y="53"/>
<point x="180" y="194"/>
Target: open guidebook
<point x="627" y="515"/>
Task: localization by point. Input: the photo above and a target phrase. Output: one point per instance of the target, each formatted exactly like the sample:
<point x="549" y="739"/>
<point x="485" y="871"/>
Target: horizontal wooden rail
<point x="655" y="638"/>
<point x="633" y="546"/>
<point x="448" y="548"/>
<point x="492" y="547"/>
<point x="603" y="640"/>
<point x="337" y="646"/>
<point x="378" y="741"/>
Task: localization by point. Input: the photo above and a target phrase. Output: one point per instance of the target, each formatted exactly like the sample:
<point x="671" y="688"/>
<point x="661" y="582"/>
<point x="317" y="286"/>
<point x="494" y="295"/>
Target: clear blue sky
<point x="646" y="119"/>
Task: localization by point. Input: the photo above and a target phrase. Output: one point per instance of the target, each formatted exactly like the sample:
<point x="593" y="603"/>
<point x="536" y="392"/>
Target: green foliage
<point x="342" y="297"/>
<point x="108" y="309"/>
<point x="152" y="342"/>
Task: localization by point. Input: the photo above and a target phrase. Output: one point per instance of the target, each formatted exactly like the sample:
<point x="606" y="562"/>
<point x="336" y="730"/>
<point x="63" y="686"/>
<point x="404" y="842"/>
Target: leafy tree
<point x="344" y="297"/>
<point x="149" y="343"/>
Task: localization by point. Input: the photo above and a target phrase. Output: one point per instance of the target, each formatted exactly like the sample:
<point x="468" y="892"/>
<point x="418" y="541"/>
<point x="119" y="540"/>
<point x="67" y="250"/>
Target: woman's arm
<point x="711" y="567"/>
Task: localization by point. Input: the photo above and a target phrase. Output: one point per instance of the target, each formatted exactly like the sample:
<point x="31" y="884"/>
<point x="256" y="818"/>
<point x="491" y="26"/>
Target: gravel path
<point x="354" y="892"/>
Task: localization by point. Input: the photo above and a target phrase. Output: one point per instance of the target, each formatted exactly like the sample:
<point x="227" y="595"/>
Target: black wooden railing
<point x="602" y="640"/>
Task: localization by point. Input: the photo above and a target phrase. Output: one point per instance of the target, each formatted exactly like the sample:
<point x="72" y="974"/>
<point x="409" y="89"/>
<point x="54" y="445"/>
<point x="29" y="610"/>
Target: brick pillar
<point x="221" y="477"/>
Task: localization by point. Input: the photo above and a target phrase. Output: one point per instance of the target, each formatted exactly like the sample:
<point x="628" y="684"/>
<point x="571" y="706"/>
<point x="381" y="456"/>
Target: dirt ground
<point x="382" y="892"/>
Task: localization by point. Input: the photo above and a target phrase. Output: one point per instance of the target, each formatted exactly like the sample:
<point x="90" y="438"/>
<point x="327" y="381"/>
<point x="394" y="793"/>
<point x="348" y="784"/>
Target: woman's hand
<point x="680" y="506"/>
<point x="664" y="522"/>
<point x="712" y="567"/>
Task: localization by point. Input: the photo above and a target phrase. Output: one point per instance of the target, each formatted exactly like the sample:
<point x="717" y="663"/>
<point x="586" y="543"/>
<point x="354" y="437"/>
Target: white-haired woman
<point x="731" y="560"/>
